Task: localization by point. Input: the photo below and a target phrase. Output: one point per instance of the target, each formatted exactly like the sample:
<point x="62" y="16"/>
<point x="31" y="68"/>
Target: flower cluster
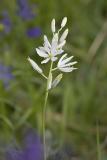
<point x="50" y="51"/>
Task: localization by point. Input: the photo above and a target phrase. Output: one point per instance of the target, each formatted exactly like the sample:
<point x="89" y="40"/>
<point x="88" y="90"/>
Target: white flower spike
<point x="65" y="65"/>
<point x="50" y="52"/>
<point x="35" y="66"/>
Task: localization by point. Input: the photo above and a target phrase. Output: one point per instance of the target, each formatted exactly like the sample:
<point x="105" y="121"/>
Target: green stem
<point x="44" y="76"/>
<point x="54" y="69"/>
<point x="98" y="142"/>
<point x="44" y="123"/>
<point x="44" y="113"/>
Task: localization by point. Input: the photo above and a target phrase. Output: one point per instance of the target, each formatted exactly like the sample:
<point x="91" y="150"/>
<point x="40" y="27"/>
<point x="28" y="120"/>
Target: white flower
<point x="65" y="65"/>
<point x="35" y="66"/>
<point x="64" y="21"/>
<point x="50" y="51"/>
<point x="53" y="25"/>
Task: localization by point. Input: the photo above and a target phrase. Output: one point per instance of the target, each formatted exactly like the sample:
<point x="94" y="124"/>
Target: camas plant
<point x="52" y="52"/>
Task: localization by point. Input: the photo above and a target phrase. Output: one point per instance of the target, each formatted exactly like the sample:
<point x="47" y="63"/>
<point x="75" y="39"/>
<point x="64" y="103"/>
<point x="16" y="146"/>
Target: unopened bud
<point x="53" y="25"/>
<point x="64" y="35"/>
<point x="64" y="21"/>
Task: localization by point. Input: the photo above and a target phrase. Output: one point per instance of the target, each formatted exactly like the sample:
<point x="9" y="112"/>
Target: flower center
<point x="50" y="55"/>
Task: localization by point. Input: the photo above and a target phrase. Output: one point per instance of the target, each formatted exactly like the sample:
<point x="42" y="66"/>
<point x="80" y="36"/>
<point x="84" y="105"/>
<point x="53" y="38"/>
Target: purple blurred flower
<point x="6" y="22"/>
<point x="6" y="74"/>
<point x="25" y="10"/>
<point x="32" y="151"/>
<point x="33" y="32"/>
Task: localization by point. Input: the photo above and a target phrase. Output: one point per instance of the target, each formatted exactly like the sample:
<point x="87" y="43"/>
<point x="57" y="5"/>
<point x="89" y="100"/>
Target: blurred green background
<point x="79" y="103"/>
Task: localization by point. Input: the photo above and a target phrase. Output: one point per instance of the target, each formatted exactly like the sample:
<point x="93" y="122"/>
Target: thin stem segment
<point x="99" y="156"/>
<point x="44" y="113"/>
<point x="54" y="69"/>
<point x="44" y="123"/>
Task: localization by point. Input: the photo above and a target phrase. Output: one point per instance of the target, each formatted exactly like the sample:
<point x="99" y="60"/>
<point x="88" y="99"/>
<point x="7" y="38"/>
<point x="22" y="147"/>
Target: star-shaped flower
<point x="65" y="65"/>
<point x="49" y="51"/>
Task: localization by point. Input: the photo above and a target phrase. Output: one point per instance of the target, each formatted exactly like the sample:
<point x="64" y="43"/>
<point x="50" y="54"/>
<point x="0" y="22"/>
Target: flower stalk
<point x="52" y="51"/>
<point x="44" y="111"/>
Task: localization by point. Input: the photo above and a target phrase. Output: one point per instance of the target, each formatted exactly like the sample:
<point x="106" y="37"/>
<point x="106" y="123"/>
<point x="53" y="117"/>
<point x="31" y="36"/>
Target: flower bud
<point x="56" y="36"/>
<point x="64" y="21"/>
<point x="53" y="25"/>
<point x="64" y="35"/>
<point x="49" y="81"/>
<point x="35" y="66"/>
<point x="57" y="80"/>
<point x="62" y="44"/>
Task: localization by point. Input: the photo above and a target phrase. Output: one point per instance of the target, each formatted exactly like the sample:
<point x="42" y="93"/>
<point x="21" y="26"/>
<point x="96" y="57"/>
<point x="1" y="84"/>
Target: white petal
<point x="55" y="40"/>
<point x="66" y="60"/>
<point x="60" y="51"/>
<point x="64" y="35"/>
<point x="61" y="59"/>
<point x="54" y="59"/>
<point x="45" y="61"/>
<point x="67" y="69"/>
<point x="35" y="66"/>
<point x="55" y="37"/>
<point x="62" y="44"/>
<point x="45" y="49"/>
<point x="41" y="53"/>
<point x="54" y="45"/>
<point x="64" y="21"/>
<point x="68" y="64"/>
<point x="46" y="41"/>
<point x="57" y="80"/>
<point x="42" y="48"/>
<point x="53" y="25"/>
